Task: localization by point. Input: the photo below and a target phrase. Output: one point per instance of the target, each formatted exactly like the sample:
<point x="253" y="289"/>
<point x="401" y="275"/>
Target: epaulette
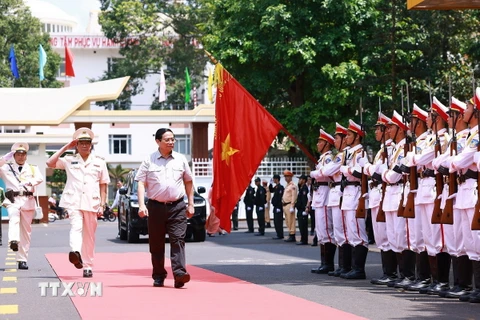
<point x="100" y="157"/>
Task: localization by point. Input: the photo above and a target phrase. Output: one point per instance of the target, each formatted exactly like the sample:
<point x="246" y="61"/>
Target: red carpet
<point x="128" y="294"/>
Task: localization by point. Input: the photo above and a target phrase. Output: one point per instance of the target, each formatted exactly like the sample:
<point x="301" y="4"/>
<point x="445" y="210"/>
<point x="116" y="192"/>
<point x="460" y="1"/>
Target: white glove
<point x="266" y="206"/>
<point x="362" y="162"/>
<point x="249" y="208"/>
<point x="344" y="170"/>
<point x="8" y="156"/>
<point x="260" y="208"/>
<point x="476" y="157"/>
<point x="278" y="210"/>
<point x="292" y="210"/>
<point x="304" y="213"/>
<point x="381" y="168"/>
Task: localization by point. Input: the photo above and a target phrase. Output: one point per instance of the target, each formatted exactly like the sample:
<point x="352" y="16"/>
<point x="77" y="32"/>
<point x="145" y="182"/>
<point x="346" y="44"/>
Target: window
<point x="111" y="62"/>
<point x="49" y="29"/>
<point x="120" y="144"/>
<point x="61" y="69"/>
<point x="183" y="144"/>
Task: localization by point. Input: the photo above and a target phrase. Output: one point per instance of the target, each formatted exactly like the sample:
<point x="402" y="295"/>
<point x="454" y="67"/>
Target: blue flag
<point x="13" y="63"/>
<point x="42" y="61"/>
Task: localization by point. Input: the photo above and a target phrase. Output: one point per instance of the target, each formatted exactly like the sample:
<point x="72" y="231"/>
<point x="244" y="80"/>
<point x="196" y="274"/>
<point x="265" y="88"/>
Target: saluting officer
<point x="389" y="259"/>
<point x="323" y="215"/>
<point x="20" y="180"/>
<point x="288" y="201"/>
<point x="356" y="229"/>
<point x="84" y="195"/>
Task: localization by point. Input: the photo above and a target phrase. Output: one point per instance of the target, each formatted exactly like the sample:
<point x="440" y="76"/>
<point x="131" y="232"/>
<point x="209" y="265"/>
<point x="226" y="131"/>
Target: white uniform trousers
<point x="453" y="233"/>
<point x="20" y="229"/>
<point x="82" y="235"/>
<point x="432" y="233"/>
<point x="396" y="231"/>
<point x="339" y="226"/>
<point x="356" y="230"/>
<point x="379" y="231"/>
<point x="471" y="238"/>
<point x="324" y="225"/>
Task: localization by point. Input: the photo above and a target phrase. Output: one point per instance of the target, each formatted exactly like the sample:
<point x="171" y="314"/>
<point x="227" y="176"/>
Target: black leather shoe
<point x="314" y="244"/>
<point x="457" y="293"/>
<point x="158" y="282"/>
<point x="76" y="259"/>
<point x="355" y="275"/>
<point x="277" y="238"/>
<point x="22" y="265"/>
<point x="441" y="286"/>
<point x="87" y="273"/>
<point x="290" y="239"/>
<point x="418" y="284"/>
<point x="14" y="245"/>
<point x="339" y="272"/>
<point x="383" y="281"/>
<point x="404" y="283"/>
<point x="181" y="280"/>
<point x="268" y="225"/>
<point x="393" y="283"/>
<point x="300" y="243"/>
<point x="235" y="228"/>
<point x="324" y="269"/>
<point x="259" y="234"/>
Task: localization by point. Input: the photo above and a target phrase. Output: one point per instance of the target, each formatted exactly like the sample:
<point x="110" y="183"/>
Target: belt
<point x="427" y="173"/>
<point x="352" y="183"/>
<point x="470" y="174"/>
<point x="285" y="203"/>
<point x="322" y="183"/>
<point x="334" y="184"/>
<point x="374" y="184"/>
<point x="394" y="184"/>
<point x="22" y="193"/>
<point x="166" y="203"/>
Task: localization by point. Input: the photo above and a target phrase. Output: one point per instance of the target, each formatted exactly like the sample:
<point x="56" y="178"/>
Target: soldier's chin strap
<point x="471" y="115"/>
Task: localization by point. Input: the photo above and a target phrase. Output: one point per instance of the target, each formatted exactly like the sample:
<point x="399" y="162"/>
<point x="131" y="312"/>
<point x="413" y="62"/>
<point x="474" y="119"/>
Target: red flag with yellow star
<point x="244" y="131"/>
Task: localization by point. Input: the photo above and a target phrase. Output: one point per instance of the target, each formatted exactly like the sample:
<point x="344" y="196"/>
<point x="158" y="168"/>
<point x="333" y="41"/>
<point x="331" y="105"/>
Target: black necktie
<point x="20" y="168"/>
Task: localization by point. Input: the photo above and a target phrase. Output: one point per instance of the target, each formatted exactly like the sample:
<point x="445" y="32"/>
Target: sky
<point x="80" y="9"/>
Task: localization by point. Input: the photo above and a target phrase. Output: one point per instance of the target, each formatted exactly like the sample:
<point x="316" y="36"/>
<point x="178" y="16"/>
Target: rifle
<point x="409" y="211"/>
<point x="400" y="212"/>
<point x="437" y="212"/>
<point x="361" y="209"/>
<point x="384" y="155"/>
<point x="447" y="215"/>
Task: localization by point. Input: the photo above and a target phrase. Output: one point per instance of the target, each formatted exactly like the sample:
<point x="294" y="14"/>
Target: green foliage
<point x="154" y="34"/>
<point x="117" y="172"/>
<point x="18" y="27"/>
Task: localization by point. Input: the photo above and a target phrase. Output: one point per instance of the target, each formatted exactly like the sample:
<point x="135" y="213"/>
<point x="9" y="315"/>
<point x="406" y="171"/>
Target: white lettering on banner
<point x="71" y="289"/>
<point x="88" y="42"/>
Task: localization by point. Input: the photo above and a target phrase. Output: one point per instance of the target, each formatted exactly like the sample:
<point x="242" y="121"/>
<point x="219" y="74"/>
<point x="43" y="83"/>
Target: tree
<point x="20" y="29"/>
<point x="154" y="34"/>
<point x="117" y="173"/>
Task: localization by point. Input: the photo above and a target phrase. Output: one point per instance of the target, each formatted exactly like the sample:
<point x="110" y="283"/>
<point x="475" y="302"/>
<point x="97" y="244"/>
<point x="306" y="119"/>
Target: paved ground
<point x="274" y="264"/>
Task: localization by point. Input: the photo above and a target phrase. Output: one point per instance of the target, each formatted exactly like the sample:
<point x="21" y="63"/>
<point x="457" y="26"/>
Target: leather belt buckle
<point x="20" y="192"/>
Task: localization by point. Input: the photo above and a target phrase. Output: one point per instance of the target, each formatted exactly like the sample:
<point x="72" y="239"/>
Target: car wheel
<point x="112" y="217"/>
<point x="121" y="232"/>
<point x="132" y="235"/>
<point x="199" y="235"/>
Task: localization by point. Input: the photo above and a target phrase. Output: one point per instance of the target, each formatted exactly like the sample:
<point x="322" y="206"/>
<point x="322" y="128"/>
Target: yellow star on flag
<point x="227" y="150"/>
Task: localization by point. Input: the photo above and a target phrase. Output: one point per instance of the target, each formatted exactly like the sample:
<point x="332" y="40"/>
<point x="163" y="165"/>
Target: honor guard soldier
<point x="356" y="230"/>
<point x="466" y="165"/>
<point x="288" y="201"/>
<point x="301" y="206"/>
<point x="277" y="190"/>
<point x="20" y="180"/>
<point x="419" y="159"/>
<point x="249" y="201"/>
<point x="323" y="214"/>
<point x="332" y="170"/>
<point x="453" y="233"/>
<point x="84" y="195"/>
<point x="397" y="228"/>
<point x="375" y="199"/>
<point x="260" y="201"/>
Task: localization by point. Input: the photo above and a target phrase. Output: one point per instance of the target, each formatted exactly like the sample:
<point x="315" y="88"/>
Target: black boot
<point x="423" y="279"/>
<point x="409" y="259"/>
<point x="360" y="253"/>
<point x="291" y="238"/>
<point x="322" y="259"/>
<point x="314" y="241"/>
<point x="329" y="264"/>
<point x="462" y="272"/>
<point x="389" y="266"/>
<point x="474" y="297"/>
<point x="338" y="271"/>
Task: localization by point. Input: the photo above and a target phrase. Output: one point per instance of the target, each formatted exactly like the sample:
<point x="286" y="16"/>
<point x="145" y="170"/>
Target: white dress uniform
<point x="81" y="199"/>
<point x="22" y="211"/>
<point x="375" y="198"/>
<point x="323" y="214"/>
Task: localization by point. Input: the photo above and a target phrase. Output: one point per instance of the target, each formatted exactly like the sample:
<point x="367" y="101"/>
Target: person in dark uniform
<point x="235" y="216"/>
<point x="277" y="190"/>
<point x="301" y="206"/>
<point x="260" y="200"/>
<point x="249" y="202"/>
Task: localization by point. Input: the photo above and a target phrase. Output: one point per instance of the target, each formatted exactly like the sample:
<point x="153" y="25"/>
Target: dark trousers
<point x="235" y="219"/>
<point x="278" y="221"/>
<point x="312" y="220"/>
<point x="302" y="226"/>
<point x="260" y="219"/>
<point x="171" y="220"/>
<point x="249" y="215"/>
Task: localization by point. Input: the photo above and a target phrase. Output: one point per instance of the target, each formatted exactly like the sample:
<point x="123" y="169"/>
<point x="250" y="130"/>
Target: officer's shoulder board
<point x="101" y="158"/>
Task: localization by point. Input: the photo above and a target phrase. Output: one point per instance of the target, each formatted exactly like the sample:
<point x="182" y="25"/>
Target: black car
<point x="131" y="226"/>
